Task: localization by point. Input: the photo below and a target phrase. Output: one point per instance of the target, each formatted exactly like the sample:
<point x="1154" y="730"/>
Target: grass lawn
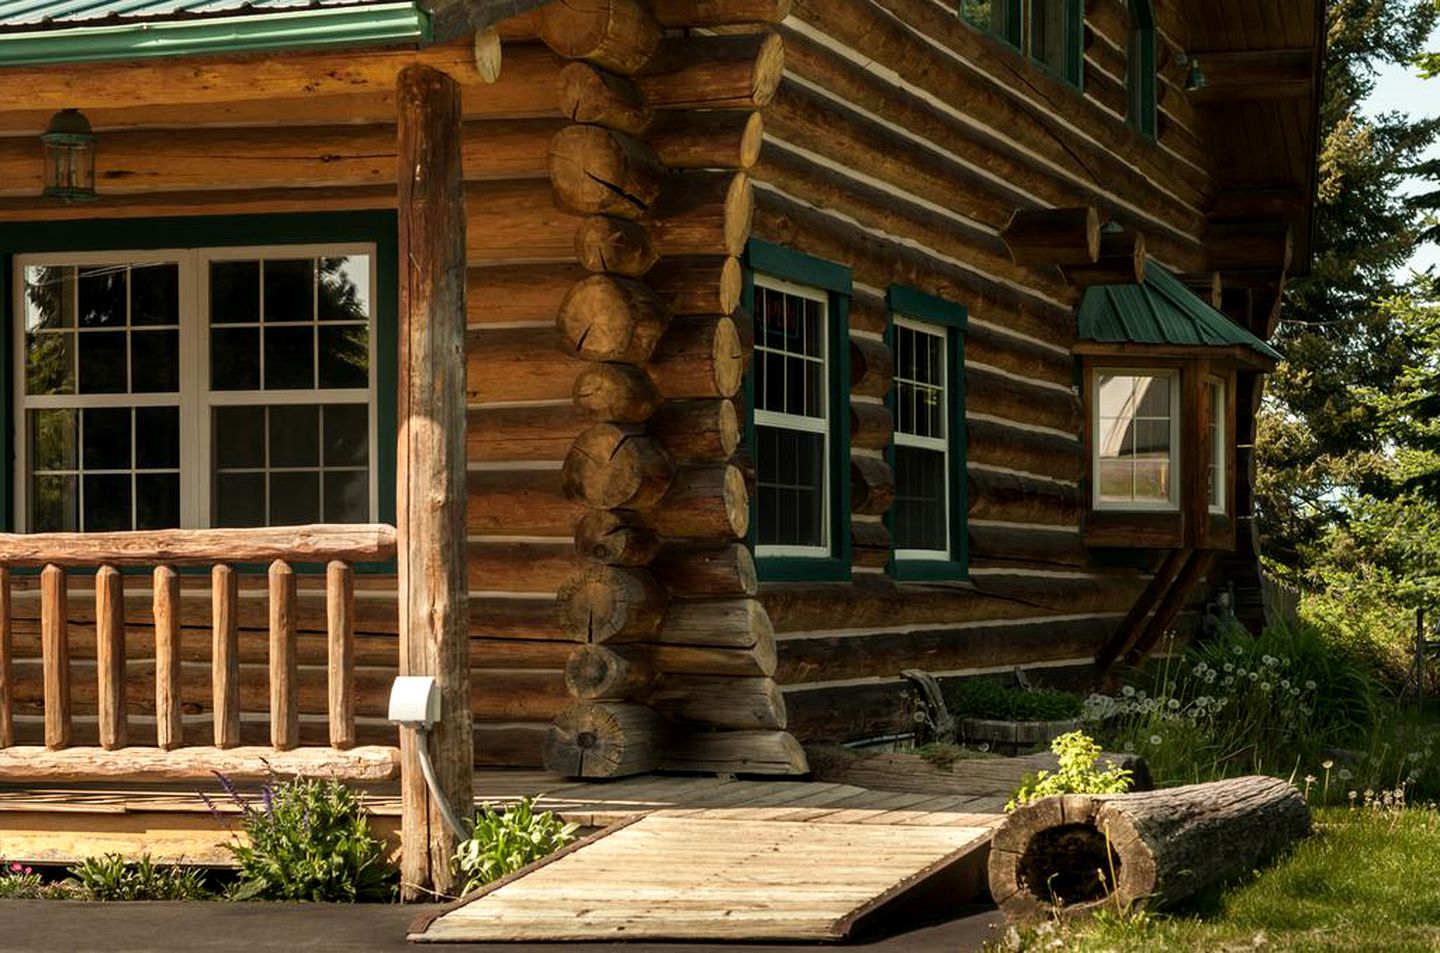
<point x="1367" y="880"/>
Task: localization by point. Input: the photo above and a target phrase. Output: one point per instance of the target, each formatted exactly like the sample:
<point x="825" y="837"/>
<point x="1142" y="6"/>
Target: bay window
<point x="1136" y="426"/>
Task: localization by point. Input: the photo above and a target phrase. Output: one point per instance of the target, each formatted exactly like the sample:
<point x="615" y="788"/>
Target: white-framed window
<point x="1215" y="399"/>
<point x="920" y="515"/>
<point x="1135" y="429"/>
<point x="195" y="387"/>
<point x="792" y="419"/>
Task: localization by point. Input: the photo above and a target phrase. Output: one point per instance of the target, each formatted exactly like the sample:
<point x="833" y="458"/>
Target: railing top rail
<point x="317" y="543"/>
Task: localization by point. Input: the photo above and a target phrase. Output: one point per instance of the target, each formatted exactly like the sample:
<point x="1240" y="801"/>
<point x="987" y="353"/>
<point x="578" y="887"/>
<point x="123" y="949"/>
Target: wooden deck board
<point x="722" y="878"/>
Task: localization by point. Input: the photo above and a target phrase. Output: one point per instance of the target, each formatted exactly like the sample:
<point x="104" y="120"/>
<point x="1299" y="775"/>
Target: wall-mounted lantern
<point x="69" y="157"/>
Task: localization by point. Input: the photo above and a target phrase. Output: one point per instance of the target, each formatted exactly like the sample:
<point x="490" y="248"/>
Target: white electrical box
<point x="415" y="701"/>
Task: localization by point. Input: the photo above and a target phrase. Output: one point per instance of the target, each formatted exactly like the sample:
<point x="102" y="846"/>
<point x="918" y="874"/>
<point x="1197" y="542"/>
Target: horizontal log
<point x="872" y="485"/>
<point x="619" y="35"/>
<point x="616" y="538"/>
<point x="711" y="139"/>
<point x="598" y="171"/>
<point x="522" y="433"/>
<point x="704" y="503"/>
<point x="1053" y="236"/>
<point x="811" y="607"/>
<point x="605" y="318"/>
<point x="719" y="702"/>
<point x="714" y="72"/>
<point x="697" y="431"/>
<point x="609" y="603"/>
<point x="822" y="657"/>
<point x="737" y="752"/>
<point x="506" y="364"/>
<point x="690" y="14"/>
<point x="704" y="213"/>
<point x="1043" y="454"/>
<point x="517" y="220"/>
<point x="520" y="503"/>
<point x="1016" y="498"/>
<point x="200" y="547"/>
<point x="699" y="358"/>
<point x="870" y="544"/>
<point x="998" y="395"/>
<point x="593" y="96"/>
<point x="614" y="467"/>
<point x="520" y="567"/>
<point x="605" y="243"/>
<point x="604" y="740"/>
<point x="725" y="623"/>
<point x="1032" y="544"/>
<point x="756" y="661"/>
<point x="367" y="764"/>
<point x="600" y="672"/>
<point x="1238" y="246"/>
<point x="515" y="293"/>
<point x="1121" y="261"/>
<point x="616" y="392"/>
<point x="1232" y="75"/>
<point x="872" y="367"/>
<point x="695" y="286"/>
<point x="689" y="570"/>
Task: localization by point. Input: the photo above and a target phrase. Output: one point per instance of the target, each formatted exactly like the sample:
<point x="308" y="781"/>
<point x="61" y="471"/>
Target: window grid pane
<point x="791" y="420"/>
<point x="1215" y="394"/>
<point x="921" y="521"/>
<point x="1133" y="431"/>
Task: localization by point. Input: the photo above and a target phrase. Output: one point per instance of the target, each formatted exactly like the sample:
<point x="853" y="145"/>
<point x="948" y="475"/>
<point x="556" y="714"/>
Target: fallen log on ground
<point x="1072" y="854"/>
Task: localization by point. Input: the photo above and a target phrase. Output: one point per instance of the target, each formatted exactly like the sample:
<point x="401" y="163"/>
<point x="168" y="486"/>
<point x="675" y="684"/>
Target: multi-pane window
<point x="1140" y="66"/>
<point x="792" y="419"/>
<point x="920" y="520"/>
<point x="1134" y="428"/>
<point x="1001" y="17"/>
<point x="1215" y="399"/>
<point x="1055" y="36"/>
<point x="195" y="388"/>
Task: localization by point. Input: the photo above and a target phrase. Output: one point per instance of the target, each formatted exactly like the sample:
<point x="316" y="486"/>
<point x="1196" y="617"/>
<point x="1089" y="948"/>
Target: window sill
<point x="927" y="570"/>
<point x="803" y="569"/>
<point x="1143" y="529"/>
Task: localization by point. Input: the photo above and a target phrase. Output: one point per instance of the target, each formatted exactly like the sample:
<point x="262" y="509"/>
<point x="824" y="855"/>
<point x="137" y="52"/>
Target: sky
<point x="1401" y="88"/>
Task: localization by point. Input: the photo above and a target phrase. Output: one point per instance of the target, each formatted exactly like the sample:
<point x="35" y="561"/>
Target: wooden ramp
<point x="723" y="875"/>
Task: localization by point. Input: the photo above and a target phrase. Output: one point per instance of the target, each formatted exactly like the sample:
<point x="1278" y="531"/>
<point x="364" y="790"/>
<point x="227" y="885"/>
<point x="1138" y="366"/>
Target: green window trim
<point x="1073" y="71"/>
<point x="778" y="261"/>
<point x="331" y="28"/>
<point x="999" y="18"/>
<point x="378" y="228"/>
<point x="906" y="302"/>
<point x="1141" y="81"/>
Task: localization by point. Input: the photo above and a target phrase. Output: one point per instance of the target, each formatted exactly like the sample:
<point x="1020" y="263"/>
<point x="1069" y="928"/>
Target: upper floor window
<point x="195" y="387"/>
<point x="1051" y="32"/>
<point x="1140" y="64"/>
<point x="1135" y="429"/>
<point x="927" y="518"/>
<point x="800" y="431"/>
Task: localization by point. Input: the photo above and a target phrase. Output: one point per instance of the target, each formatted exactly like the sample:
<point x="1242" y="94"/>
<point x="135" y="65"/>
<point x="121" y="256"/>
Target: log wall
<point x="900" y="142"/>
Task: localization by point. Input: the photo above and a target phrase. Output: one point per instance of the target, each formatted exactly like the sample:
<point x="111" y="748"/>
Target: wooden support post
<point x="431" y="476"/>
<point x="225" y="656"/>
<point x="7" y="675"/>
<point x="55" y="648"/>
<point x="168" y="725"/>
<point x="284" y="675"/>
<point x="110" y="656"/>
<point x="1195" y="568"/>
<point x="340" y="622"/>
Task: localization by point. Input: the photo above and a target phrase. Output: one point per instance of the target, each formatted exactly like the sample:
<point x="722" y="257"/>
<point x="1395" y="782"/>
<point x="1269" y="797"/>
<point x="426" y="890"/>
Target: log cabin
<point x="663" y="376"/>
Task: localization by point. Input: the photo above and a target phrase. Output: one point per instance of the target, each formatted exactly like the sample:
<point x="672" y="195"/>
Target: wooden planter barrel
<point x="1071" y="854"/>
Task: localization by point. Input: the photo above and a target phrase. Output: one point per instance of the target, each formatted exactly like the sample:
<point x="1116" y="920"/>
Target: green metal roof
<point x="36" y="32"/>
<point x="1160" y="311"/>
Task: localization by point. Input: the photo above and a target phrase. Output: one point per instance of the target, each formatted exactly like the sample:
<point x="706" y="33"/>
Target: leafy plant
<point x="18" y="882"/>
<point x="110" y="877"/>
<point x="1077" y="773"/>
<point x="988" y="698"/>
<point x="503" y="842"/>
<point x="309" y="839"/>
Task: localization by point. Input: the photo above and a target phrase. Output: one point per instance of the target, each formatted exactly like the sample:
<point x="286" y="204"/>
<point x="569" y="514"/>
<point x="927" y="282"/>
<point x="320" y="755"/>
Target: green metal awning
<point x="1161" y="311"/>
<point x="41" y="32"/>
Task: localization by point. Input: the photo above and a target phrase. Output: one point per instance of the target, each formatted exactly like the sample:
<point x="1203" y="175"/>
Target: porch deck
<point x="61" y="823"/>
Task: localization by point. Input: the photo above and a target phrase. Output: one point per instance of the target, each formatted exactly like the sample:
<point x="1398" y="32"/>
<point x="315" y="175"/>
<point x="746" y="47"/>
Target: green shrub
<point x="1077" y="773"/>
<point x="1238" y="704"/>
<point x="502" y="843"/>
<point x="988" y="698"/>
<point x="309" y="839"/>
<point x="110" y="877"/>
<point x="18" y="882"/>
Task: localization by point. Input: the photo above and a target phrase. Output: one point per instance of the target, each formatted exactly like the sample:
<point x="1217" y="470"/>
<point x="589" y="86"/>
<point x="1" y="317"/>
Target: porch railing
<point x="58" y="557"/>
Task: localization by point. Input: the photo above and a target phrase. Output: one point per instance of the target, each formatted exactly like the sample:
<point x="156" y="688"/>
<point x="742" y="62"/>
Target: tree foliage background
<point x="1348" y="489"/>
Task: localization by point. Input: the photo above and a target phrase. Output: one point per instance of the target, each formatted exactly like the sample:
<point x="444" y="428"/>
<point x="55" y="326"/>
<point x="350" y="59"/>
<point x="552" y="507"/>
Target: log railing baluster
<point x="7" y="675"/>
<point x="340" y="624"/>
<point x="225" y="655"/>
<point x="110" y="656"/>
<point x="55" y="652"/>
<point x="284" y="695"/>
<point x="169" y="728"/>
